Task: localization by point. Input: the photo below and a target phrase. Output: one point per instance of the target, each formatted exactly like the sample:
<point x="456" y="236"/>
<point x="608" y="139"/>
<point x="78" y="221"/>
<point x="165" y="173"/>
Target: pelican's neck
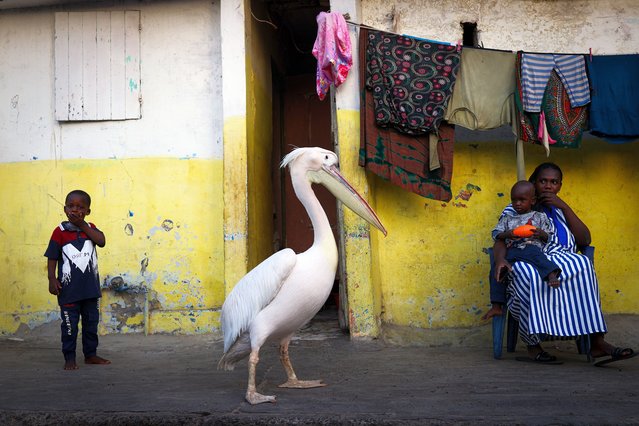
<point x="321" y="226"/>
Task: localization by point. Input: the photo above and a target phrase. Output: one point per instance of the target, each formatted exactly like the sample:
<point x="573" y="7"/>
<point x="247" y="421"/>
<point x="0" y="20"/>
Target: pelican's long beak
<point x="332" y="179"/>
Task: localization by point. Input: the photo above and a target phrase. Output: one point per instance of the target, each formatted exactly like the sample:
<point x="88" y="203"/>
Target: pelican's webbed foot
<point x="255" y="398"/>
<point x="302" y="384"/>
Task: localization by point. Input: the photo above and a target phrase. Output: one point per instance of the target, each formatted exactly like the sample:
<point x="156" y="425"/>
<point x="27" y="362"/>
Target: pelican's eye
<point x="326" y="157"/>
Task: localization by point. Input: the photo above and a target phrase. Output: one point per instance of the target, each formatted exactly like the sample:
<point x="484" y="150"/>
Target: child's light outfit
<point x="529" y="250"/>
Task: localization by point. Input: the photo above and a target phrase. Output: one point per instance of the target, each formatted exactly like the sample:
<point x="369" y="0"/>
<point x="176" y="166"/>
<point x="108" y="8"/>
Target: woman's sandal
<point x="542" y="357"/>
<point x="617" y="354"/>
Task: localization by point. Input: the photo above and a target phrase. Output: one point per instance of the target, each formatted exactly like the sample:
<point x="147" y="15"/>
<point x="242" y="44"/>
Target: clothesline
<point x="403" y="35"/>
<point x="349" y="22"/>
<point x="556" y="100"/>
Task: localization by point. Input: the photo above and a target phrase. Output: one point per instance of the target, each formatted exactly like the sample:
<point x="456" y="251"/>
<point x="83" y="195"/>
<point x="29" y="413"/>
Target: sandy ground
<point x="173" y="380"/>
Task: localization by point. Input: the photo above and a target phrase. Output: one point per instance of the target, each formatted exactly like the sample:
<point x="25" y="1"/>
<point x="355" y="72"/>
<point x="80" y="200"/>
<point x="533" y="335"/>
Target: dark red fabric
<point x="400" y="158"/>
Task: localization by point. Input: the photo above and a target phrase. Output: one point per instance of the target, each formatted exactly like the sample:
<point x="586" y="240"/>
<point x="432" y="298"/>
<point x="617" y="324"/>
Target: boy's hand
<point x="76" y="219"/>
<point x="540" y="234"/>
<point x="506" y="235"/>
<point x="54" y="286"/>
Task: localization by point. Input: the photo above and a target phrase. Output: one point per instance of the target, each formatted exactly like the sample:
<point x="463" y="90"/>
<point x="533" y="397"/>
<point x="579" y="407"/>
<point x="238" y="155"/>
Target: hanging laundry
<point x="411" y="80"/>
<point x="542" y="133"/>
<point x="564" y="124"/>
<point x="405" y="160"/>
<point x="333" y="51"/>
<point x="535" y="72"/>
<point x="614" y="112"/>
<point x="484" y="94"/>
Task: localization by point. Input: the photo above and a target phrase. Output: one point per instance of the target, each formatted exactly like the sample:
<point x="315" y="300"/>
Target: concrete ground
<point x="173" y="380"/>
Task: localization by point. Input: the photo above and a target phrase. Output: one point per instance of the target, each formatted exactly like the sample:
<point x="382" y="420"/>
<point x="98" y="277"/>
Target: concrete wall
<point x="183" y="194"/>
<point x="156" y="183"/>
<point x="431" y="271"/>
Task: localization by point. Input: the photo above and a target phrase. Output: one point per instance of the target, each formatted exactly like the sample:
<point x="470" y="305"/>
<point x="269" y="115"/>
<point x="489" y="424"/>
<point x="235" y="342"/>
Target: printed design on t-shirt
<point x="81" y="259"/>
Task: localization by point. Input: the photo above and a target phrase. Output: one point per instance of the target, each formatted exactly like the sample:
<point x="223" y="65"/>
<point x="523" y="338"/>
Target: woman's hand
<point x="579" y="229"/>
<point x="551" y="199"/>
<point x="502" y="268"/>
<point x="499" y="257"/>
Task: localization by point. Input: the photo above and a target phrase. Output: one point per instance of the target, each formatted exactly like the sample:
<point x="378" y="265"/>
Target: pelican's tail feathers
<point x="239" y="350"/>
<point x="252" y="293"/>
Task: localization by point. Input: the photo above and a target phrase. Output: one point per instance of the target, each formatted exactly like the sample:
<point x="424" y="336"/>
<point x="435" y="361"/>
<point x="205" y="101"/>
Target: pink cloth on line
<point x="543" y="135"/>
<point x="333" y="51"/>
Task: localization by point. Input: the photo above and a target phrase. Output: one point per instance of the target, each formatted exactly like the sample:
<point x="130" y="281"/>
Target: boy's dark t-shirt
<point x="77" y="263"/>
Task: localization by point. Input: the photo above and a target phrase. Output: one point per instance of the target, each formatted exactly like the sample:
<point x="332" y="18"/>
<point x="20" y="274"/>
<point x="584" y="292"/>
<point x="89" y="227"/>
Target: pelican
<point x="285" y="291"/>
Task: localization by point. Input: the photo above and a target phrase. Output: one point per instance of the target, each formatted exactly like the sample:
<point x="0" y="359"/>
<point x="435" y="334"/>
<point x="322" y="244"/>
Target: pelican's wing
<point x="253" y="292"/>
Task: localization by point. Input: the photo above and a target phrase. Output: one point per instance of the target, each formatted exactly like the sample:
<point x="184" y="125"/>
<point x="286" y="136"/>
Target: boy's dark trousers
<point x="530" y="254"/>
<point x="535" y="256"/>
<point x="71" y="313"/>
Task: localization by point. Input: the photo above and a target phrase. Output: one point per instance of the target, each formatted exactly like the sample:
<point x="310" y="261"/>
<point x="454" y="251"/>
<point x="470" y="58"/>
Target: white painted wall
<point x="233" y="58"/>
<point x="561" y="26"/>
<point x="181" y="88"/>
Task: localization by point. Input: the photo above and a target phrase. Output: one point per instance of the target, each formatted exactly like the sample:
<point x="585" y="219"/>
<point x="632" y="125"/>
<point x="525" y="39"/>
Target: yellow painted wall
<point x="163" y="222"/>
<point x="360" y="253"/>
<point x="431" y="271"/>
<point x="433" y="267"/>
<point x="260" y="140"/>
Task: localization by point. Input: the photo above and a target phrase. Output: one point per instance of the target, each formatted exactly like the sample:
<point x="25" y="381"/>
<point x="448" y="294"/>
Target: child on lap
<point x="525" y="249"/>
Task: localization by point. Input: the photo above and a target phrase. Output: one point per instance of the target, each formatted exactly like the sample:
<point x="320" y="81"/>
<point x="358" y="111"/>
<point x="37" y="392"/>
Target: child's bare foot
<point x="493" y="311"/>
<point x="553" y="280"/>
<point x="70" y="365"/>
<point x="96" y="360"/>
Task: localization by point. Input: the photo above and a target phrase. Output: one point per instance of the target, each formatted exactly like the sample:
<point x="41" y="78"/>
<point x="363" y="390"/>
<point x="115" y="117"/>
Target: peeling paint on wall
<point x="234" y="236"/>
<point x="359" y="231"/>
<point x="465" y="194"/>
<point x="128" y="229"/>
<point x="167" y="224"/>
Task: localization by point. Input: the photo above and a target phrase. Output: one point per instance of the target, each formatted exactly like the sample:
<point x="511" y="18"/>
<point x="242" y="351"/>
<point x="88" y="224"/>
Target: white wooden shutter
<point x="97" y="65"/>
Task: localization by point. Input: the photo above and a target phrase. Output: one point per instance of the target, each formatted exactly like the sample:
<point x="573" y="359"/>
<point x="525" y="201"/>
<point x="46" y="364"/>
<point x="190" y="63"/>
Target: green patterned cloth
<point x="565" y="124"/>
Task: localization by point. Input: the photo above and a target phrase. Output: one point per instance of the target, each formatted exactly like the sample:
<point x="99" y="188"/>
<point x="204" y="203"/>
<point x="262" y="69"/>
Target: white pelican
<point x="285" y="291"/>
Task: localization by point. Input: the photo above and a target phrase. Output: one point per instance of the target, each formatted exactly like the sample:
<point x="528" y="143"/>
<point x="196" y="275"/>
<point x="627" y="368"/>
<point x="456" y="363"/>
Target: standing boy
<point x="77" y="283"/>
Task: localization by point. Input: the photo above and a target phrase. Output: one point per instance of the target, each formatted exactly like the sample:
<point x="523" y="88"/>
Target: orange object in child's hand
<point x="524" y="231"/>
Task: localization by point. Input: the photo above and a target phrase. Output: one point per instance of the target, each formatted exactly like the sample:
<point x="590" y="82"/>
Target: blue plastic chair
<point x="499" y="321"/>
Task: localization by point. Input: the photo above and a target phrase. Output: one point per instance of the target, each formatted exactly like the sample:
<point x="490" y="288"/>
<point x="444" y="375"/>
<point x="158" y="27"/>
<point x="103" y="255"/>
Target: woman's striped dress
<point x="573" y="309"/>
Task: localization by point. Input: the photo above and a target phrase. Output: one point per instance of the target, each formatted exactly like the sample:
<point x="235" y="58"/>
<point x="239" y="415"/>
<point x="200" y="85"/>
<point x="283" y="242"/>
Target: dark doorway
<point x="304" y="121"/>
<point x="300" y="119"/>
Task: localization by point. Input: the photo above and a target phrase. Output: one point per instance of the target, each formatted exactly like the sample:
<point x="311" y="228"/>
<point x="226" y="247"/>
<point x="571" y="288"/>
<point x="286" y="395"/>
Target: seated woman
<point x="571" y="309"/>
